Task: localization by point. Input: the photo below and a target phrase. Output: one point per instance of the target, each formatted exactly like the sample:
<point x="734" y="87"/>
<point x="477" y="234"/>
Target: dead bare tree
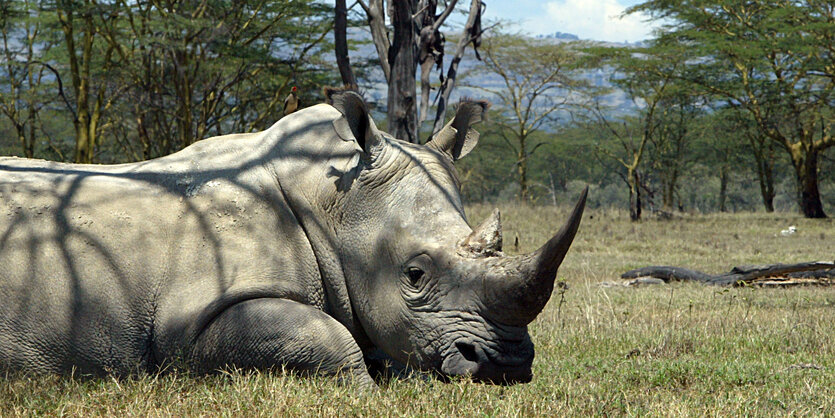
<point x="537" y="81"/>
<point x="416" y="40"/>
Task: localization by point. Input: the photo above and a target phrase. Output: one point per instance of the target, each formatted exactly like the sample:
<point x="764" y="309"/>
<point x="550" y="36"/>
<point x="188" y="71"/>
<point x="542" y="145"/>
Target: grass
<point x="681" y="349"/>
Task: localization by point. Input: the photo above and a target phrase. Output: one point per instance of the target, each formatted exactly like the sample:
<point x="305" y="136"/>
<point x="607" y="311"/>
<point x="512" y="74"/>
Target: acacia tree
<point x="760" y="147"/>
<point x="87" y="59"/>
<point x="775" y="60"/>
<point x="25" y="77"/>
<point x="227" y="69"/>
<point x="721" y="147"/>
<point x="537" y="81"/>
<point x="648" y="77"/>
<point x="416" y="40"/>
<point x="181" y="70"/>
<point x="670" y="151"/>
<point x="223" y="66"/>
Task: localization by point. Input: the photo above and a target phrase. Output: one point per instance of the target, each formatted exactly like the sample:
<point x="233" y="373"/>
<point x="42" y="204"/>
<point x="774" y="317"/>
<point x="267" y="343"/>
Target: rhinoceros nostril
<point x="467" y="351"/>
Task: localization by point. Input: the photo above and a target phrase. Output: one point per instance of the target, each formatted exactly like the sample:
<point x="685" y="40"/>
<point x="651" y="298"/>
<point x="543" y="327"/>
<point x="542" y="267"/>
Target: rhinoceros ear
<point x="457" y="138"/>
<point x="356" y="124"/>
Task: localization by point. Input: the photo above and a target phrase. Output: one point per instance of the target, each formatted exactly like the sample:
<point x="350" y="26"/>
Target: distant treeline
<point x="710" y="179"/>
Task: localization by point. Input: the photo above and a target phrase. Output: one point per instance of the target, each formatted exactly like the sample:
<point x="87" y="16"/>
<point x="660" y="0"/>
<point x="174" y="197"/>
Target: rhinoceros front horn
<point x="518" y="288"/>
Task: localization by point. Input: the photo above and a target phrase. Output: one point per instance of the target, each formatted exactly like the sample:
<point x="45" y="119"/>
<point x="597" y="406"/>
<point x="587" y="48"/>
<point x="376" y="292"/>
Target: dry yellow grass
<point x="669" y="350"/>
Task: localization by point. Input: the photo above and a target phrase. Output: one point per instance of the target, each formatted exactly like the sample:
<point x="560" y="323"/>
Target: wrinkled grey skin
<point x="305" y="245"/>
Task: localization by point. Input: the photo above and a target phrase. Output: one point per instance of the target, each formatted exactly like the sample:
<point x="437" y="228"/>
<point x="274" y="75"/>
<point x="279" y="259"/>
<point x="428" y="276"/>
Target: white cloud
<point x="591" y="19"/>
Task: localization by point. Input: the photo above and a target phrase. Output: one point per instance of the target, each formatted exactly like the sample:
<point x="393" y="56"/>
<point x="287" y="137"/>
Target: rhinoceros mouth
<point x="483" y="364"/>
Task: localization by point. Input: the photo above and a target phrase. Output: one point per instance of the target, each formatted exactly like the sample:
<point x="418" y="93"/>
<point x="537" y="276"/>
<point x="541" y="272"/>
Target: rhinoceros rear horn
<point x="356" y="124"/>
<point x="457" y="138"/>
<point x="486" y="238"/>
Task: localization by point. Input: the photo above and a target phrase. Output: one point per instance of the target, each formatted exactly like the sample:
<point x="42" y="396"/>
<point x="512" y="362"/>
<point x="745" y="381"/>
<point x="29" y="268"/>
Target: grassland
<point x="680" y="349"/>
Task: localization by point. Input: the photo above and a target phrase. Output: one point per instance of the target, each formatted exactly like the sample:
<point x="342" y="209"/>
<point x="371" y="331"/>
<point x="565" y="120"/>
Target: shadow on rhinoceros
<point x="320" y="244"/>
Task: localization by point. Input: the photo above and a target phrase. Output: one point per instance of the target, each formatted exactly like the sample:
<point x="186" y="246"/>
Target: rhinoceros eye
<point x="415" y="270"/>
<point x="415" y="274"/>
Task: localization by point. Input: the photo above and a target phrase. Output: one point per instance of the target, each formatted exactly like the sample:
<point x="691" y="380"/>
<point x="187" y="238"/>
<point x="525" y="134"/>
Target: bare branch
<point x="60" y="87"/>
<point x="445" y="14"/>
<point x="471" y="34"/>
<point x="341" y="43"/>
<point x="379" y="34"/>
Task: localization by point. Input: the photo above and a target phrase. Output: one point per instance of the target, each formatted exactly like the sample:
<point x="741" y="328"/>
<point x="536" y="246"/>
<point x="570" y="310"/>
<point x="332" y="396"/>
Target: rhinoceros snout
<point x="483" y="364"/>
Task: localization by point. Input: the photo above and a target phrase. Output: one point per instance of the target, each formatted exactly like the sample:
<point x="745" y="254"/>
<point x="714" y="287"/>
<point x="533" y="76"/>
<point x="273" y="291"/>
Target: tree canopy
<point x="771" y="59"/>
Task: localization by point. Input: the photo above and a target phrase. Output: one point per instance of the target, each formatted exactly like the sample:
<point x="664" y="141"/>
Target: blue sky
<point x="589" y="19"/>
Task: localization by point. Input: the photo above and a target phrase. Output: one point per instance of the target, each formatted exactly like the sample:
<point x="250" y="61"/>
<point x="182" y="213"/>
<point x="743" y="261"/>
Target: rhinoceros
<point x="305" y="246"/>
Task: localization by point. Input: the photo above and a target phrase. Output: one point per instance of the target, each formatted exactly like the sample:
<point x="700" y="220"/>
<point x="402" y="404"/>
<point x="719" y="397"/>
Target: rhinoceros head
<point x="428" y="289"/>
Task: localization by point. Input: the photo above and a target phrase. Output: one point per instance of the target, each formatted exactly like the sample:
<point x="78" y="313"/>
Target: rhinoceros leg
<point x="267" y="333"/>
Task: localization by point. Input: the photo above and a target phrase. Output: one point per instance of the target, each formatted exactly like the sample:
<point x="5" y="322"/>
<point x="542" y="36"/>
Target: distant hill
<point x="560" y="35"/>
<point x="376" y="90"/>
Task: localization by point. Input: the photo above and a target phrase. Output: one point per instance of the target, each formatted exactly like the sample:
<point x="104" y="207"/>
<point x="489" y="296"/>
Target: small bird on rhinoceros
<point x="291" y="103"/>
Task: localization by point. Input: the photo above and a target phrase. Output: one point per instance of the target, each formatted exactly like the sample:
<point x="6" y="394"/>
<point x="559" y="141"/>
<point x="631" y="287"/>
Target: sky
<point x="589" y="19"/>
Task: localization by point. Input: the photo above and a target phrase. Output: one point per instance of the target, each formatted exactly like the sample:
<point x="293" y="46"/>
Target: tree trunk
<point x="82" y="140"/>
<point x="29" y="145"/>
<point x="85" y="120"/>
<point x="340" y="40"/>
<point x="764" y="156"/>
<point x="670" y="190"/>
<point x="767" y="190"/>
<point x="183" y="90"/>
<point x="723" y="188"/>
<point x="634" y="195"/>
<point x="430" y="51"/>
<point x="21" y="137"/>
<point x="553" y="189"/>
<point x="402" y="111"/>
<point x="522" y="170"/>
<point x="416" y="31"/>
<point x="425" y="90"/>
<point x="806" y="168"/>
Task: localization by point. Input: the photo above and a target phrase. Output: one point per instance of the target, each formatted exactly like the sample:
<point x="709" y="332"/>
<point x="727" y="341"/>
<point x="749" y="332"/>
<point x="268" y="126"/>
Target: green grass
<point x="680" y="349"/>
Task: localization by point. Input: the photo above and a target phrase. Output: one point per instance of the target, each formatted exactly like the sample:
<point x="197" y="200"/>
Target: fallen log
<point x="810" y="273"/>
